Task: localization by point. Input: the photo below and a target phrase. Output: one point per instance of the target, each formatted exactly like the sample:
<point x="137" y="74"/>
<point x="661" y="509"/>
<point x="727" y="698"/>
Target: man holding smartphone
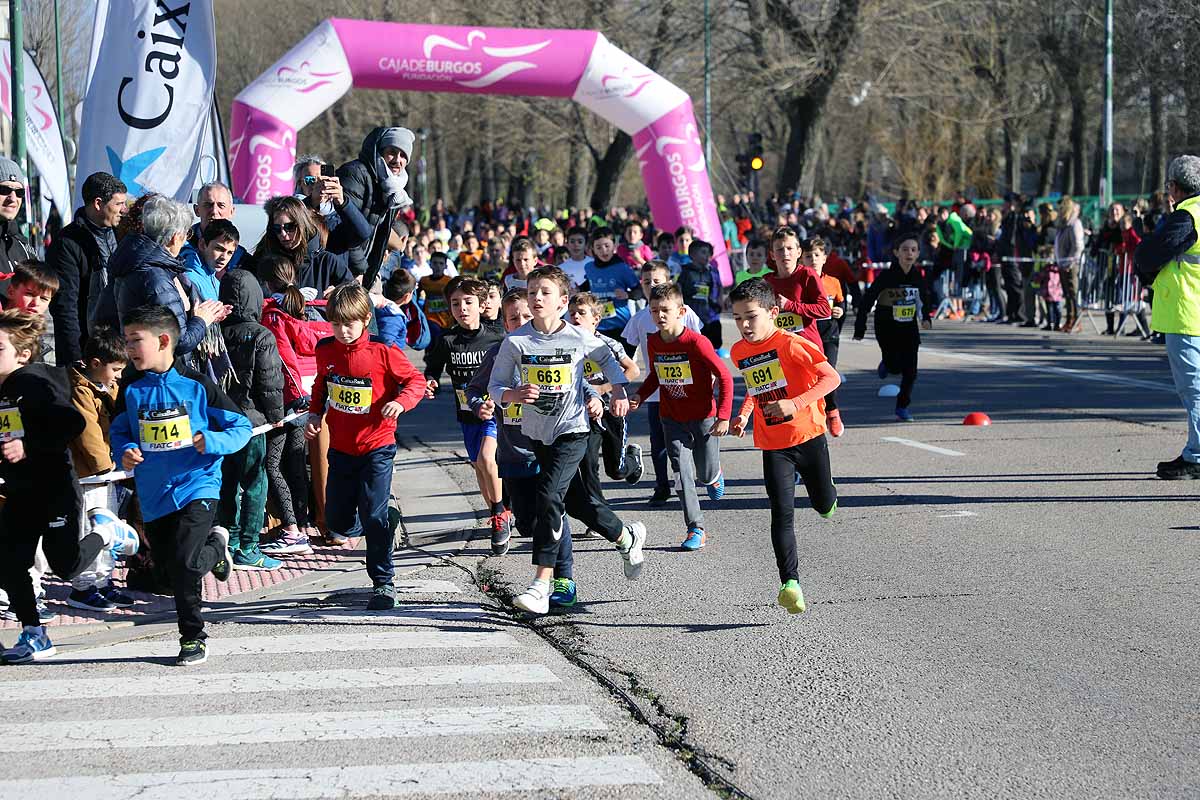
<point x="319" y="188"/>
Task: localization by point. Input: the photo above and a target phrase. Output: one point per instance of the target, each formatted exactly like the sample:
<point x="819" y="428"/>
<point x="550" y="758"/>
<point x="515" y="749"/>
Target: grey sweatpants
<point x="695" y="454"/>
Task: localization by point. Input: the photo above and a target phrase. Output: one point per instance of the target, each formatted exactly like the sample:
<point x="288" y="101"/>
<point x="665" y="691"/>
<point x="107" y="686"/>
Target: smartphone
<point x="327" y="171"/>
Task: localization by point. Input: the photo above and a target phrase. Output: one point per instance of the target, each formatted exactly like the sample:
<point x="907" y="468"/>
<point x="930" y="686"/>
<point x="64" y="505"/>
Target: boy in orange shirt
<point x="812" y="255"/>
<point x="786" y="379"/>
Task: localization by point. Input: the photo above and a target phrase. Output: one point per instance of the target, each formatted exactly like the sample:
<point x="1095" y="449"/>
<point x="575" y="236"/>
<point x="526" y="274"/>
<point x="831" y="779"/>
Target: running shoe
<point x="224" y="564"/>
<point x="881" y="370"/>
<point x="832" y="510"/>
<point x="121" y="538"/>
<point x="291" y="543"/>
<point x="1178" y="469"/>
<point x="535" y="599"/>
<point x="694" y="539"/>
<point x="634" y="557"/>
<point x="836" y="428"/>
<point x="564" y="593"/>
<point x="45" y="615"/>
<point x="256" y="561"/>
<point x="791" y="598"/>
<point x="191" y="653"/>
<point x="904" y="415"/>
<point x="336" y="539"/>
<point x="32" y="645"/>
<point x="716" y="489"/>
<point x="90" y="599"/>
<point x="7" y="615"/>
<point x="633" y="456"/>
<point x="722" y="352"/>
<point x="662" y="495"/>
<point x="118" y="598"/>
<point x="383" y="597"/>
<point x="502" y="525"/>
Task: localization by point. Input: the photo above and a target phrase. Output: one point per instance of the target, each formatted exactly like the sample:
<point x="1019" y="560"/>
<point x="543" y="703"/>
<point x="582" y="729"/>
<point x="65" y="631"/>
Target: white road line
<point x="314" y="643"/>
<point x="1085" y="375"/>
<point x="384" y="780"/>
<point x="428" y="587"/>
<point x="207" y="683"/>
<point x="357" y="615"/>
<point x="959" y="513"/>
<point x="232" y="729"/>
<point x="942" y="451"/>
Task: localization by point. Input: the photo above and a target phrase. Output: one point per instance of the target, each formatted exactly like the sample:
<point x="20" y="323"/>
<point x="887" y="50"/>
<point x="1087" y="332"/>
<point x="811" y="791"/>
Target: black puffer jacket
<point x="256" y="384"/>
<point x="363" y="190"/>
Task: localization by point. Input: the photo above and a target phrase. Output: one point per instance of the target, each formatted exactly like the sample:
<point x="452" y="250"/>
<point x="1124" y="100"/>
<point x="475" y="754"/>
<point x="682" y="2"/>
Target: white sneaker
<point x="634" y="555"/>
<point x="535" y="599"/>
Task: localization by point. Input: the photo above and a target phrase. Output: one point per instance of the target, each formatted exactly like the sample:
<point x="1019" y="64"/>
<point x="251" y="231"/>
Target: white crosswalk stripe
<point x="426" y="675"/>
<point x="392" y="780"/>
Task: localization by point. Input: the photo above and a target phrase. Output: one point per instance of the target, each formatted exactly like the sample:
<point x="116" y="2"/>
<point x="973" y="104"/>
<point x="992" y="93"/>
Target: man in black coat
<point x="374" y="183"/>
<point x="79" y="257"/>
<point x="14" y="248"/>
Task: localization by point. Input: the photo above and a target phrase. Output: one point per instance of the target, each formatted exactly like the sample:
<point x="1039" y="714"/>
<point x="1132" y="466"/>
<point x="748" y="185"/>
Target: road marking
<point x="207" y="683"/>
<point x="390" y="616"/>
<point x="314" y="643"/>
<point x="942" y="451"/>
<point x="1086" y="375"/>
<point x="428" y="587"/>
<point x="959" y="513"/>
<point x="384" y="780"/>
<point x="233" y="729"/>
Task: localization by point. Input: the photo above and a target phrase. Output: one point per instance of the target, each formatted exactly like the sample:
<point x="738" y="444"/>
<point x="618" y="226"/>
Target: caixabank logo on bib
<point x="476" y="67"/>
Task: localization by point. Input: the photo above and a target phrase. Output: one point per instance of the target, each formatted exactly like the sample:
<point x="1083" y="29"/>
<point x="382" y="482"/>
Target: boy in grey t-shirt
<point x="549" y="354"/>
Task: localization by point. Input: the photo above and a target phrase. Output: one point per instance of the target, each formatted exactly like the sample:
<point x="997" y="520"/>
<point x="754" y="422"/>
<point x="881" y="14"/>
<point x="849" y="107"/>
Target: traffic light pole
<point x="17" y="52"/>
<point x="1106" y="189"/>
<point x="707" y="88"/>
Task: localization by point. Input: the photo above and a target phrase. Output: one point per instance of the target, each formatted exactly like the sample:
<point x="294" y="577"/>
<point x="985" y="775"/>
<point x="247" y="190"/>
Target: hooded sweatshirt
<point x="369" y="185"/>
<point x="35" y="406"/>
<point x="160" y="412"/>
<point x="256" y="383"/>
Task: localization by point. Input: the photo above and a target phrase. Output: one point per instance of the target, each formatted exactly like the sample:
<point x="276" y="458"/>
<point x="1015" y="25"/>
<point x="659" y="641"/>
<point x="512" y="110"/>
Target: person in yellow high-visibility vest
<point x="1168" y="260"/>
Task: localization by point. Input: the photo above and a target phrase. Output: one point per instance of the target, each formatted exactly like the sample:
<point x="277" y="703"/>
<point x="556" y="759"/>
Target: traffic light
<point x="755" y="152"/>
<point x="744" y="166"/>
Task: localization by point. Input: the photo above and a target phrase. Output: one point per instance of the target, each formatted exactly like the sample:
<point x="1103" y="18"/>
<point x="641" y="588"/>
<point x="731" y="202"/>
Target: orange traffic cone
<point x="977" y="418"/>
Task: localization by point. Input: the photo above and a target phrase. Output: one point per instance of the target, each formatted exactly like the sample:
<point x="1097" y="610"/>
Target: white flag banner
<point x="43" y="138"/>
<point x="149" y="94"/>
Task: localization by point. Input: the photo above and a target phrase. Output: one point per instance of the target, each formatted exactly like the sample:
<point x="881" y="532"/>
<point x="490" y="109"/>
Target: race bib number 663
<point x="551" y="374"/>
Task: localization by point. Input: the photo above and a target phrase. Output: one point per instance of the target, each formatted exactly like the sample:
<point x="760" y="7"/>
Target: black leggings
<point x="569" y="483"/>
<point x="287" y="474"/>
<point x="900" y="358"/>
<point x="830" y="341"/>
<point x="811" y="460"/>
<point x="613" y="438"/>
<point x="51" y="514"/>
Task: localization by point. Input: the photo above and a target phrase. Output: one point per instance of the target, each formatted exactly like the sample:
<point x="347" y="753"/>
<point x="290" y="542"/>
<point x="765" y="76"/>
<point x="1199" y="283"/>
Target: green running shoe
<point x="791" y="598"/>
<point x="831" y="511"/>
<point x="564" y="593"/>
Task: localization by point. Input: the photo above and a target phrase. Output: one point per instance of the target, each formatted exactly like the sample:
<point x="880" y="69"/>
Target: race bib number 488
<point x="350" y="395"/>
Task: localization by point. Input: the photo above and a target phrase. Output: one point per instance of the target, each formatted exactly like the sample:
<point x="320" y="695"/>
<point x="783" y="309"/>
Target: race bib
<point x="11" y="426"/>
<point x="166" y="429"/>
<point x="762" y="373"/>
<point x="789" y="321"/>
<point x="350" y="395"/>
<point x="703" y="291"/>
<point x="673" y="369"/>
<point x="591" y="369"/>
<point x="610" y="309"/>
<point x="551" y="374"/>
<point x="461" y="395"/>
<point x="905" y="312"/>
<point x="436" y="304"/>
<point x="513" y="413"/>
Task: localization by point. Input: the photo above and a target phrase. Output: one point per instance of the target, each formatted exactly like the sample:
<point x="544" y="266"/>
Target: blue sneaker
<point x="881" y="370"/>
<point x="118" y="598"/>
<point x="694" y="540"/>
<point x="904" y="415"/>
<point x="32" y="645"/>
<point x="256" y="561"/>
<point x="45" y="615"/>
<point x="122" y="539"/>
<point x="723" y="352"/>
<point x="564" y="593"/>
<point x="716" y="489"/>
<point x="90" y="599"/>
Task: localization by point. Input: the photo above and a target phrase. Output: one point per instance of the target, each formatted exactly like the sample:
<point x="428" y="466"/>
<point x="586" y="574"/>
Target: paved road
<point x="1009" y="617"/>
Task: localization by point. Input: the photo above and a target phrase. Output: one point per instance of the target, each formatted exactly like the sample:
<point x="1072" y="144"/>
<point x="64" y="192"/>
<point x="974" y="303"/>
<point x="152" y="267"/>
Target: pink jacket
<point x="297" y="340"/>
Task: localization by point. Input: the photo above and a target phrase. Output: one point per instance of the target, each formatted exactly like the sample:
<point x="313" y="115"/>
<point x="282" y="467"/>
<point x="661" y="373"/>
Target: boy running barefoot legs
<point x="549" y="356"/>
<point x="786" y="380"/>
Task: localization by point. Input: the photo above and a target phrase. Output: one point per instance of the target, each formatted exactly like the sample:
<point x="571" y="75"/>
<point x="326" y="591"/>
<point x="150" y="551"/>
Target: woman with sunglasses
<point x="294" y="233"/>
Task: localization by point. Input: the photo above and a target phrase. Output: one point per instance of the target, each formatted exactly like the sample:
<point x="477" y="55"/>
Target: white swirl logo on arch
<point x="581" y="65"/>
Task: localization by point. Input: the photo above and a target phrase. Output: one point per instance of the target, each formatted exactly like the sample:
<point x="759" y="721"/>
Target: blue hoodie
<point x="174" y="473"/>
<point x="203" y="277"/>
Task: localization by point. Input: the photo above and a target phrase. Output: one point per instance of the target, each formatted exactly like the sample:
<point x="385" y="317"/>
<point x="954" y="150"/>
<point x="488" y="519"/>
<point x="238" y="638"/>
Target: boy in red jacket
<point x="364" y="384"/>
<point x="685" y="365"/>
<point x="802" y="299"/>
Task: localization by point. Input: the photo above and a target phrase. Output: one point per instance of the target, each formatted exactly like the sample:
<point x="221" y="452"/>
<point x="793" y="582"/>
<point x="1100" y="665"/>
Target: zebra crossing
<point x="439" y="697"/>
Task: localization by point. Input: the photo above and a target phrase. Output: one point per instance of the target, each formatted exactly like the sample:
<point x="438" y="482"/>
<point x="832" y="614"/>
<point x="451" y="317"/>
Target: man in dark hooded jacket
<point x="374" y="183"/>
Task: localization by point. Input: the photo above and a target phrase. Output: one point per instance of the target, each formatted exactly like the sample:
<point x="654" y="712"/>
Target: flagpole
<point x="58" y="88"/>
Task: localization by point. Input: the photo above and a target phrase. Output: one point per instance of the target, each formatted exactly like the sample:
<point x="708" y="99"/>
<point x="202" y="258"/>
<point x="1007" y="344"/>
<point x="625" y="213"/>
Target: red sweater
<point x="685" y="369"/>
<point x="803" y="296"/>
<point x="354" y="382"/>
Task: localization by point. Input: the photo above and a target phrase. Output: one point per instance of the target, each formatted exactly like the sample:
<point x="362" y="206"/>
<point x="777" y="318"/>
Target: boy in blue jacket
<point x="172" y="429"/>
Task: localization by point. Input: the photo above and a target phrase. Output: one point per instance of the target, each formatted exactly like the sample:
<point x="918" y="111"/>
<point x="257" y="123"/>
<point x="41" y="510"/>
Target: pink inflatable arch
<point x="581" y="65"/>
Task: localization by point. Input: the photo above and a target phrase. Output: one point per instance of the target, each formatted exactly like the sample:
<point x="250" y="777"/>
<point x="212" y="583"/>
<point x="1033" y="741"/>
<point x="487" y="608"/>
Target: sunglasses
<point x="309" y="180"/>
<point x="286" y="227"/>
<point x="5" y="191"/>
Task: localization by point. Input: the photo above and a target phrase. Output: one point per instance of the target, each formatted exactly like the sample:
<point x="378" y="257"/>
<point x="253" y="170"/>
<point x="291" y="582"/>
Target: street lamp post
<point x="17" y="51"/>
<point x="1106" y="189"/>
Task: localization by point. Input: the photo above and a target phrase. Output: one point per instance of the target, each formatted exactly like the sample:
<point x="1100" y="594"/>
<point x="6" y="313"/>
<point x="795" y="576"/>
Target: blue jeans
<point x="364" y="484"/>
<point x="1183" y="354"/>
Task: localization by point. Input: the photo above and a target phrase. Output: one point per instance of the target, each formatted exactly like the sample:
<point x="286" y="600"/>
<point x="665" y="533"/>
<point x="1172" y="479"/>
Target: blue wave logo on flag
<point x="128" y="170"/>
